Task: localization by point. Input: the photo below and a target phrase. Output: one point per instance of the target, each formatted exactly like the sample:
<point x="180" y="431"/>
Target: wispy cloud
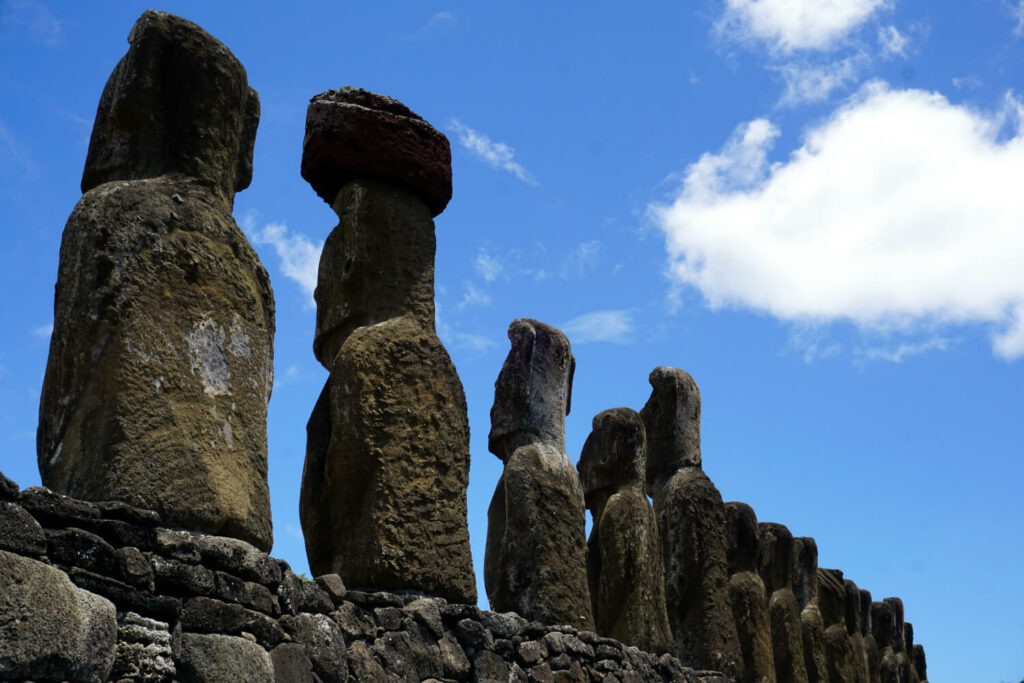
<point x="892" y="42"/>
<point x="806" y="83"/>
<point x="452" y="337"/>
<point x="43" y="331"/>
<point x="474" y="296"/>
<point x="966" y="82"/>
<point x="438" y="24"/>
<point x="12" y="155"/>
<point x="582" y="259"/>
<point x="31" y="19"/>
<point x="497" y="154"/>
<point x="898" y="213"/>
<point x="487" y="266"/>
<point x="615" y="327"/>
<point x="900" y="352"/>
<point x="1016" y="10"/>
<point x="299" y="256"/>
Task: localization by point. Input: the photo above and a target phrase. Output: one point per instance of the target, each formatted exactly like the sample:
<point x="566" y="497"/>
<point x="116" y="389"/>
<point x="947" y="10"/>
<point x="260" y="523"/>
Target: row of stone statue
<point x="161" y="367"/>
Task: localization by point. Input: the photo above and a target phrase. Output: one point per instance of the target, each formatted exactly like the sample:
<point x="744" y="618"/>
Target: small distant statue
<point x="536" y="557"/>
<point x="691" y="519"/>
<point x="161" y="359"/>
<point x="624" y="561"/>
<point x="383" y="497"/>
<point x="832" y="604"/>
<point x="775" y="565"/>
<point x="747" y="595"/>
<point x="805" y="585"/>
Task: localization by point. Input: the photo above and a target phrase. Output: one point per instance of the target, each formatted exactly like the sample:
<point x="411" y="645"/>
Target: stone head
<point x="613" y="454"/>
<point x="805" y="570"/>
<point x="897" y="623"/>
<point x="177" y="103"/>
<point x="774" y="555"/>
<point x="882" y="624"/>
<point x="852" y="607"/>
<point x="832" y="597"/>
<point x="741" y="537"/>
<point x="533" y="392"/>
<point x="865" y="612"/>
<point x="672" y="419"/>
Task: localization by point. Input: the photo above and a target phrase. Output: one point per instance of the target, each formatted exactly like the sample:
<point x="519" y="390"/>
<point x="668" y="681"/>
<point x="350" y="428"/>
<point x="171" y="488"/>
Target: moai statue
<point x="535" y="562"/>
<point x="883" y="627"/>
<point x="832" y="605"/>
<point x="920" y="663"/>
<point x="858" y="654"/>
<point x="747" y="595"/>
<point x="908" y="668"/>
<point x="691" y="519"/>
<point x="774" y="564"/>
<point x="624" y="558"/>
<point x="871" y="649"/>
<point x="383" y="497"/>
<point x="805" y="585"/>
<point x="161" y="359"/>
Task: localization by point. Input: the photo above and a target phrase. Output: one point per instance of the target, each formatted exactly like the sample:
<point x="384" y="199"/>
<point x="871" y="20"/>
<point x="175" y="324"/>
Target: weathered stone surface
<point x="805" y="580"/>
<point x="624" y="557"/>
<point x="333" y="586"/>
<point x="161" y="359"/>
<point x="920" y="662"/>
<point x="209" y="132"/>
<point x="805" y="570"/>
<point x="8" y="489"/>
<point x="143" y="650"/>
<point x="236" y="557"/>
<point x="213" y="658"/>
<point x="898" y="644"/>
<point x="206" y="615"/>
<point x="747" y="596"/>
<point x="19" y="531"/>
<point x="774" y="562"/>
<point x="50" y="629"/>
<point x="352" y="134"/>
<point x="383" y="500"/>
<point x="78" y="548"/>
<point x="535" y="562"/>
<point x="324" y="643"/>
<point x="361" y="664"/>
<point x="127" y="597"/>
<point x="115" y="509"/>
<point x="691" y="519"/>
<point x="58" y="510"/>
<point x="858" y="652"/>
<point x="291" y="665"/>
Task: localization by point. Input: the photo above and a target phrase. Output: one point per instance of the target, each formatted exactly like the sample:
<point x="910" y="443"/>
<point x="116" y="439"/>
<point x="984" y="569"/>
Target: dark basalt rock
<point x="624" y="564"/>
<point x="747" y="596"/>
<point x="775" y="561"/>
<point x="672" y="420"/>
<point x="352" y="134"/>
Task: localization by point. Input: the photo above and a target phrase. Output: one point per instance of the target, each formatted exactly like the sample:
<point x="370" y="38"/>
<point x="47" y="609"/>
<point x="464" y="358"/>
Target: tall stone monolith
<point x="383" y="497"/>
<point x="536" y="557"/>
<point x="774" y="564"/>
<point x="858" y="653"/>
<point x="624" y="558"/>
<point x="871" y="649"/>
<point x="691" y="518"/>
<point x="747" y="596"/>
<point x="832" y="604"/>
<point x="161" y="359"/>
<point x="883" y="627"/>
<point x="805" y="585"/>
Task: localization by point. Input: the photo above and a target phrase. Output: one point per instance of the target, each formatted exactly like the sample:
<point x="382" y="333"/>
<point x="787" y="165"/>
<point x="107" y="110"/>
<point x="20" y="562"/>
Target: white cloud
<point x="487" y="266"/>
<point x="901" y="211"/>
<point x="966" y="82"/>
<point x="789" y="25"/>
<point x="901" y="352"/>
<point x="892" y="42"/>
<point x="32" y="19"/>
<point x="43" y="331"/>
<point x="497" y="154"/>
<point x="814" y="83"/>
<point x="615" y="327"/>
<point x="474" y="297"/>
<point x="452" y="337"/>
<point x="299" y="257"/>
<point x="1016" y="9"/>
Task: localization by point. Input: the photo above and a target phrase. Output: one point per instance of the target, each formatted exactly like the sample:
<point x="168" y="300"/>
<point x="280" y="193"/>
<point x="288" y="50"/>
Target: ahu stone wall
<point x="105" y="592"/>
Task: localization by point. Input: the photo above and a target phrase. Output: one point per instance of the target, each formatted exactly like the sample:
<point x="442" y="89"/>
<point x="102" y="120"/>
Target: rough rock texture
<point x="747" y="596"/>
<point x="832" y="599"/>
<point x="774" y="563"/>
<point x="212" y="658"/>
<point x="383" y="499"/>
<point x="143" y="651"/>
<point x="161" y="358"/>
<point x="49" y="628"/>
<point x="691" y="519"/>
<point x="624" y="557"/>
<point x="805" y="583"/>
<point x="536" y="555"/>
<point x="883" y="622"/>
<point x="353" y="134"/>
<point x="920" y="662"/>
<point x="858" y="653"/>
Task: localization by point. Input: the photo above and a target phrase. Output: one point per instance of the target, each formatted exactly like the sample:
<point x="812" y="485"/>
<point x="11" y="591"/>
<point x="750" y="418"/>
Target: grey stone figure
<point x="161" y="359"/>
<point x="883" y="626"/>
<point x="832" y="604"/>
<point x="774" y="564"/>
<point x="691" y="518"/>
<point x="383" y="498"/>
<point x="624" y="559"/>
<point x="805" y="584"/>
<point x="747" y="595"/>
<point x="858" y="652"/>
<point x="536" y="557"/>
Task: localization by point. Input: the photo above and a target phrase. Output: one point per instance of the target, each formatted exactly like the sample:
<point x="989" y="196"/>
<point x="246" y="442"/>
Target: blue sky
<point x="813" y="206"/>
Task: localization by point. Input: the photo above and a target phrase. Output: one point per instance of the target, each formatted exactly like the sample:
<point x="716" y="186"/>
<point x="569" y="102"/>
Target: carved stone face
<point x="672" y="419"/>
<point x="533" y="392"/>
<point x="178" y="102"/>
<point x="613" y="455"/>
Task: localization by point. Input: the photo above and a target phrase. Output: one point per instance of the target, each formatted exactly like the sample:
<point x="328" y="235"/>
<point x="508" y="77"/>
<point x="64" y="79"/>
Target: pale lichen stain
<point x="208" y="357"/>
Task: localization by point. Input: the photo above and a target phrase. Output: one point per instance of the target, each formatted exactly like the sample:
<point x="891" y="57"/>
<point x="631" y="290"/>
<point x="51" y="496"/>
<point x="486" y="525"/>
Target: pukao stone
<point x="161" y="358"/>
